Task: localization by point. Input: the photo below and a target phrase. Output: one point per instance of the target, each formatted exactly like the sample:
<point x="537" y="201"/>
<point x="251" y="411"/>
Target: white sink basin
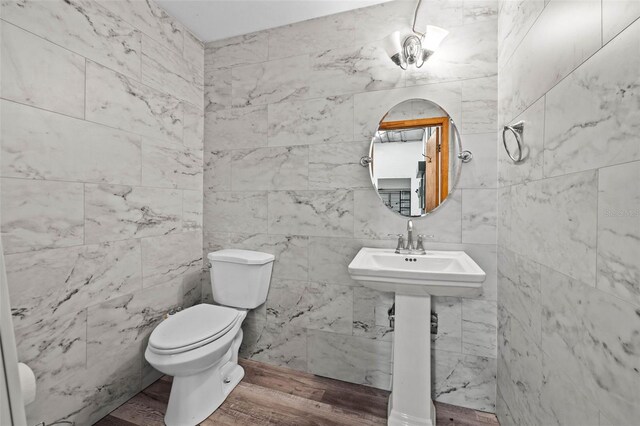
<point x="436" y="273"/>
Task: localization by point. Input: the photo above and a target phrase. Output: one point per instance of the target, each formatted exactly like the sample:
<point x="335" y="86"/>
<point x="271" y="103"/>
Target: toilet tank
<point x="240" y="278"/>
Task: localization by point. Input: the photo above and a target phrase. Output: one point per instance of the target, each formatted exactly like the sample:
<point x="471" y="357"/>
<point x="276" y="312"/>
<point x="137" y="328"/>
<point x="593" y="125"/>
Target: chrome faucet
<point x="409" y="247"/>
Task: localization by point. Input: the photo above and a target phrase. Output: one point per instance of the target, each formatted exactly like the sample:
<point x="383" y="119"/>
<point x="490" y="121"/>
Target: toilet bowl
<point x="199" y="345"/>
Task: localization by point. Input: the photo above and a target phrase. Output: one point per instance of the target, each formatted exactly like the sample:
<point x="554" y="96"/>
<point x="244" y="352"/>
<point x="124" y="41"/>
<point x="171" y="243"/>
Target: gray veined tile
<point x="353" y="359"/>
<point x="217" y="89"/>
<point x="329" y="258"/>
<point x="605" y="93"/>
<point x="481" y="172"/>
<point x="193" y="54"/>
<point x="376" y="22"/>
<point x="286" y="347"/>
<point x="337" y="165"/>
<point x="41" y="214"/>
<point x="351" y="70"/>
<point x="117" y="212"/>
<point x="479" y="105"/>
<point x="479" y="10"/>
<point x="51" y="283"/>
<point x="318" y="34"/>
<point x="318" y="213"/>
<point x="166" y="70"/>
<point x="171" y="259"/>
<point x="616" y="15"/>
<point x="170" y="164"/>
<point x="236" y="128"/>
<point x="270" y="82"/>
<point x="479" y="327"/>
<point x="252" y="327"/>
<point x="274" y="168"/>
<point x="469" y="51"/>
<point x="84" y="27"/>
<point x="192" y="204"/>
<point x="503" y="227"/>
<point x="485" y="255"/>
<point x="235" y="51"/>
<point x="370" y="313"/>
<point x="553" y="223"/>
<point x="233" y="211"/>
<point x="38" y="144"/>
<point x="24" y="55"/>
<point x="311" y="306"/>
<point x="449" y="335"/>
<point x="151" y="19"/>
<point x="290" y="251"/>
<point x="193" y="126"/>
<point x="312" y="121"/>
<point x="514" y="21"/>
<point x="618" y="268"/>
<point x="118" y="101"/>
<point x="464" y="380"/>
<point x="479" y="216"/>
<point x="217" y="170"/>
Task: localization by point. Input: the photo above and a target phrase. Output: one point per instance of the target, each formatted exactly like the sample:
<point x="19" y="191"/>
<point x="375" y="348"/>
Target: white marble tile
<point x="601" y="124"/>
<point x="479" y="324"/>
<point x="311" y="306"/>
<point x="592" y="337"/>
<point x="554" y="223"/>
<point x="38" y="144"/>
<point x="151" y="19"/>
<point x="313" y="121"/>
<point x="618" y="269"/>
<point x="171" y="259"/>
<point x="41" y="214"/>
<point x="479" y="211"/>
<point x="617" y="15"/>
<point x="370" y="313"/>
<point x="252" y="328"/>
<point x="24" y="56"/>
<point x="193" y="126"/>
<point x="337" y="165"/>
<point x="167" y="71"/>
<point x="514" y="21"/>
<point x="286" y="347"/>
<point x="274" y="168"/>
<point x="235" y="211"/>
<point x="464" y="380"/>
<point x="193" y="54"/>
<point x="532" y="144"/>
<point x="270" y="82"/>
<point x="352" y="70"/>
<point x="118" y="101"/>
<point x="290" y="251"/>
<point x="81" y="26"/>
<point x="117" y="212"/>
<point x="192" y="204"/>
<point x="353" y="359"/>
<point x="503" y="227"/>
<point x="485" y="255"/>
<point x="523" y="79"/>
<point x="370" y="107"/>
<point x="376" y="22"/>
<point x="479" y="10"/>
<point x="324" y="33"/>
<point x="234" y="51"/>
<point x="374" y="220"/>
<point x="469" y="51"/>
<point x="55" y="282"/>
<point x="482" y="170"/>
<point x="449" y="336"/>
<point x="236" y="128"/>
<point x="169" y="164"/>
<point x="479" y="105"/>
<point x="217" y="170"/>
<point x="317" y="213"/>
<point x="217" y="89"/>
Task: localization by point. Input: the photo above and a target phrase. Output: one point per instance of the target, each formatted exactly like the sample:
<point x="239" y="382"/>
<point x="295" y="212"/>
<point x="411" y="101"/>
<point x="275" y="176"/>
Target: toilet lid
<point x="192" y="327"/>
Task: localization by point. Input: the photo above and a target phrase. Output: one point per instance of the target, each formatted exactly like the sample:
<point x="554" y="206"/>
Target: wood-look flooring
<point x="270" y="395"/>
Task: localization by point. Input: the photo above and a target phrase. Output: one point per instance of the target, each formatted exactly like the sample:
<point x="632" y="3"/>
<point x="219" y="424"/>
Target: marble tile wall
<point x="288" y="114"/>
<point x="569" y="216"/>
<point x="102" y="175"/>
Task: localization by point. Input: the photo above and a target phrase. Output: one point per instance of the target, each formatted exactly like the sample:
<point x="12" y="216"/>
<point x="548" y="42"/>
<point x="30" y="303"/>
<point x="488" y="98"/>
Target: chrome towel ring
<point x="518" y="130"/>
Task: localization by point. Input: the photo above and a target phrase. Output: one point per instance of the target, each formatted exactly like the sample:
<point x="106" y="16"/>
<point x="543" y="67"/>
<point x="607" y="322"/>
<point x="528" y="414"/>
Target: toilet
<point x="199" y="345"/>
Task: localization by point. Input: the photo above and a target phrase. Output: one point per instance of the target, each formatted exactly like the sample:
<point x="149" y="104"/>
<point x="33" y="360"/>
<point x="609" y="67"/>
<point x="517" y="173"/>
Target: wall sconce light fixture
<point x="416" y="48"/>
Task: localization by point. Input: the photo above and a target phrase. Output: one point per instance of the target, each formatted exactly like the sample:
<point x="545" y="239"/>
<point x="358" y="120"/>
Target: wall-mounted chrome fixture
<point x="518" y="130"/>
<point x="416" y="48"/>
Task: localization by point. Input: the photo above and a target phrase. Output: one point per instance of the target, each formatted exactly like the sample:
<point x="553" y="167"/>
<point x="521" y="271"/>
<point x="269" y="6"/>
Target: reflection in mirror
<point x="414" y="157"/>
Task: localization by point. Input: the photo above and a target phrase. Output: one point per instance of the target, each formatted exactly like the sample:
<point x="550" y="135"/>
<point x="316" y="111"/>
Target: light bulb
<point x="433" y="37"/>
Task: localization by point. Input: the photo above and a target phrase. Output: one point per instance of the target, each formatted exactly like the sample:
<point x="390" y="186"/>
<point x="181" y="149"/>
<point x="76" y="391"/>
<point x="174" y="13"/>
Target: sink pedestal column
<point x="410" y="401"/>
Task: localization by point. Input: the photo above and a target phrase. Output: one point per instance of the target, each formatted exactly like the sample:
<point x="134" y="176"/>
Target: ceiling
<point x="217" y="19"/>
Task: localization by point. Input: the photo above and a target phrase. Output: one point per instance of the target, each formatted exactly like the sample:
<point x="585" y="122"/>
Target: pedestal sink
<point x="414" y="279"/>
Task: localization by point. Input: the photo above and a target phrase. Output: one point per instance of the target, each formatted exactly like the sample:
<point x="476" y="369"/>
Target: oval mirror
<point x="414" y="162"/>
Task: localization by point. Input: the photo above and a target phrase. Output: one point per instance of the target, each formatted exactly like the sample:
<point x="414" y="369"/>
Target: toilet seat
<point x="192" y="328"/>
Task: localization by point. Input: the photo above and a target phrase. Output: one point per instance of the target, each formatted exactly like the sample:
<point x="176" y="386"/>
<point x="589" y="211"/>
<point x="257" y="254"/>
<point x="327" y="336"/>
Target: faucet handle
<point x="400" y="241"/>
<point x="421" y="238"/>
